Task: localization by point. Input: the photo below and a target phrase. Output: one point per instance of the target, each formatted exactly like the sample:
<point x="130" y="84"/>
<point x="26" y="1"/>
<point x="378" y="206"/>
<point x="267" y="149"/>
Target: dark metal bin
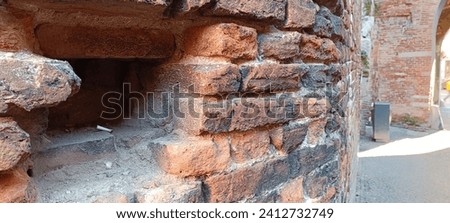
<point x="381" y="120"/>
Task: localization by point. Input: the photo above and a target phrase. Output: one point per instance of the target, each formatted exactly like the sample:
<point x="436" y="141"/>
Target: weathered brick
<point x="15" y="187"/>
<point x="13" y="35"/>
<point x="191" y="156"/>
<point x="267" y="77"/>
<point x="190" y="192"/>
<point x="30" y="81"/>
<point x="279" y="45"/>
<point x="289" y="137"/>
<point x="249" y="145"/>
<point x="247" y="182"/>
<point x="307" y="159"/>
<point x="222" y="40"/>
<point x="204" y="79"/>
<point x="242" y="114"/>
<point x="336" y="7"/>
<point x="186" y="6"/>
<point x="292" y="192"/>
<point x="262" y="9"/>
<point x="59" y="41"/>
<point x="316" y="131"/>
<point x="318" y="182"/>
<point x="300" y="13"/>
<point x="328" y="25"/>
<point x="316" y="49"/>
<point x="14" y="144"/>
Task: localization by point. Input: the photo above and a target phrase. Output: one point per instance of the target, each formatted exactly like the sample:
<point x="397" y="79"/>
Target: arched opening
<point x="440" y="109"/>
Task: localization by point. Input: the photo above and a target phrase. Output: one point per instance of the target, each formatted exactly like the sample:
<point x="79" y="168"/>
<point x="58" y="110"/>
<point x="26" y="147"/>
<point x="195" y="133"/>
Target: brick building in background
<point x="406" y="39"/>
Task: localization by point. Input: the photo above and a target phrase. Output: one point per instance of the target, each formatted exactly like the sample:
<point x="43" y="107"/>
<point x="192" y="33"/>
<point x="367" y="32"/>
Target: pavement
<point x="414" y="167"/>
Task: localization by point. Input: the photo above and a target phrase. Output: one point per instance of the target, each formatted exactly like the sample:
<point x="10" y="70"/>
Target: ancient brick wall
<point x="262" y="96"/>
<point x="402" y="56"/>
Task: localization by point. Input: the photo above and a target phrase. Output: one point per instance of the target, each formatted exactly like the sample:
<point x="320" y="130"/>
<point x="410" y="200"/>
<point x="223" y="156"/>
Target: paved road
<point x="413" y="167"/>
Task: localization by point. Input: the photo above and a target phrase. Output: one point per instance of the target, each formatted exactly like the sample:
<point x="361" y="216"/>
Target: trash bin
<point x="381" y="120"/>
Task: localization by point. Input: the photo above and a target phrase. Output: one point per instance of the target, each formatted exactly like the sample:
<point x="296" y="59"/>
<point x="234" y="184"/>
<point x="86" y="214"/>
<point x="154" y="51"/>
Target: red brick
<point x="191" y="156"/>
<point x="222" y="40"/>
<point x="249" y="145"/>
<point x="316" y="49"/>
<point x="206" y="79"/>
<point x="13" y="33"/>
<point x="300" y="13"/>
<point x="15" y="187"/>
<point x="246" y="182"/>
<point x="14" y="144"/>
<point x="262" y="9"/>
<point x="267" y="77"/>
<point x="279" y="45"/>
<point x="59" y="41"/>
<point x="289" y="137"/>
<point x="292" y="192"/>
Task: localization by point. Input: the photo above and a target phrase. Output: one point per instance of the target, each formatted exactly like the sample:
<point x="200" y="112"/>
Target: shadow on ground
<point x="413" y="167"/>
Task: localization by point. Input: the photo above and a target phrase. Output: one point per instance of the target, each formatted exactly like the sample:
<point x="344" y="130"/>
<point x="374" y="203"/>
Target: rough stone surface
<point x="29" y="81"/>
<point x="222" y="40"/>
<point x="190" y="192"/>
<point x="292" y="192"/>
<point x="279" y="45"/>
<point x="204" y="79"/>
<point x="243" y="114"/>
<point x="186" y="6"/>
<point x="183" y="156"/>
<point x="307" y="159"/>
<point x="263" y="9"/>
<point x="13" y="35"/>
<point x="249" y="145"/>
<point x="15" y="187"/>
<point x="266" y="77"/>
<point x="328" y="25"/>
<point x="236" y="186"/>
<point x="289" y="137"/>
<point x="300" y="13"/>
<point x="316" y="49"/>
<point x="67" y="42"/>
<point x="14" y="144"/>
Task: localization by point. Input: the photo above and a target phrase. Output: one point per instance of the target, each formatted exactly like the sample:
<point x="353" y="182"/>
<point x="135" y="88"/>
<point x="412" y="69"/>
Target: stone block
<point x="247" y="181"/>
<point x="336" y="6"/>
<point x="15" y="187"/>
<point x="300" y="13"/>
<point x="289" y="137"/>
<point x="13" y="33"/>
<point x="112" y="198"/>
<point x="58" y="41"/>
<point x="188" y="6"/>
<point x="249" y="145"/>
<point x="30" y="81"/>
<point x="267" y="77"/>
<point x="203" y="79"/>
<point x="191" y="156"/>
<point x="307" y="159"/>
<point x="292" y="192"/>
<point x="15" y="144"/>
<point x="318" y="183"/>
<point x="328" y="25"/>
<point x="319" y="50"/>
<point x="227" y="40"/>
<point x="242" y="114"/>
<point x="262" y="9"/>
<point x="279" y="45"/>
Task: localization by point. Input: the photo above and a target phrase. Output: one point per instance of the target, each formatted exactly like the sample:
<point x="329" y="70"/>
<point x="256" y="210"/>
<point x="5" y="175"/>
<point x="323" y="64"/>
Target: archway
<point x="440" y="114"/>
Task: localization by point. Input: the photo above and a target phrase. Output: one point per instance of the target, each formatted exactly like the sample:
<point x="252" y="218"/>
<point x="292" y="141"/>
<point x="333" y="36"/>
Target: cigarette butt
<point x="101" y="128"/>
